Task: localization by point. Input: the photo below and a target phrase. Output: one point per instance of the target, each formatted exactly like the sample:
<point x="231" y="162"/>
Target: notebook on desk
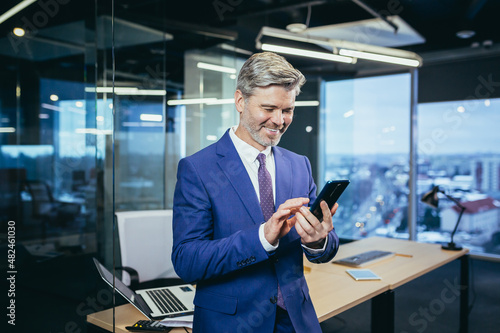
<point x="156" y="303"/>
<point x="365" y="258"/>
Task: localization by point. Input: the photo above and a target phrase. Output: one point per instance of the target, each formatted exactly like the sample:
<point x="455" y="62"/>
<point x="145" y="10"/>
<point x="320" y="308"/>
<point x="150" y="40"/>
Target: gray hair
<point x="265" y="69"/>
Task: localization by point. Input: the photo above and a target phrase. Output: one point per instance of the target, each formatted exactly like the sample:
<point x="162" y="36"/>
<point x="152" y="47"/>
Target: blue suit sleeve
<point x="196" y="255"/>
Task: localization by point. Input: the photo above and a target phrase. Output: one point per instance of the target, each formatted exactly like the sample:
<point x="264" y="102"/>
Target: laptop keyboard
<point x="166" y="301"/>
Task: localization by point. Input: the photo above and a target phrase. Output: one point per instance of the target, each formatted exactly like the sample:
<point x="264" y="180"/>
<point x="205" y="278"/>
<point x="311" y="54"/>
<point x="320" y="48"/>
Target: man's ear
<point x="239" y="101"/>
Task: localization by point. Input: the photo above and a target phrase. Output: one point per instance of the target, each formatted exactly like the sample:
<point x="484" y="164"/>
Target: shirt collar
<point x="245" y="150"/>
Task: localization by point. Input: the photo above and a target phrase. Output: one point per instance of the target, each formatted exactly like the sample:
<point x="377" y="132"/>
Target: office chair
<point x="146" y="245"/>
<point x="46" y="208"/>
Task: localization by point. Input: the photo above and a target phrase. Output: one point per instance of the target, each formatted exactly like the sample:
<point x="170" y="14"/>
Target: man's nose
<point x="278" y="118"/>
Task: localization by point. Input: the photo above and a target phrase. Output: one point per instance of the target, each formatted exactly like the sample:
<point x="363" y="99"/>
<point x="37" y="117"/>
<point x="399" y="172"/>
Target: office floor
<point x="56" y="296"/>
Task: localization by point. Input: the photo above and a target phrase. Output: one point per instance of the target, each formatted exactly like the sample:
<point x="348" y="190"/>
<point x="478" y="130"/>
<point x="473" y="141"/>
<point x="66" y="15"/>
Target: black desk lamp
<point x="432" y="200"/>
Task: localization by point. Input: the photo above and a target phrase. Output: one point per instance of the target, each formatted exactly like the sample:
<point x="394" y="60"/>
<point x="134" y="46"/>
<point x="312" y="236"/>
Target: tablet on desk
<point x="363" y="274"/>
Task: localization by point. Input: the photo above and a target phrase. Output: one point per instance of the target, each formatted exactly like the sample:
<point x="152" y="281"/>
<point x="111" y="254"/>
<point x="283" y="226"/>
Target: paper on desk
<point x="183" y="321"/>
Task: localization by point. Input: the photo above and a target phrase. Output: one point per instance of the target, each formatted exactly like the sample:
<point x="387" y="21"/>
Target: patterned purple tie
<point x="267" y="203"/>
<point x="265" y="188"/>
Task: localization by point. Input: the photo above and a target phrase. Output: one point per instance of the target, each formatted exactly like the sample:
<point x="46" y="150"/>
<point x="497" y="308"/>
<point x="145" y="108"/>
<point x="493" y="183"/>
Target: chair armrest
<point x="134" y="276"/>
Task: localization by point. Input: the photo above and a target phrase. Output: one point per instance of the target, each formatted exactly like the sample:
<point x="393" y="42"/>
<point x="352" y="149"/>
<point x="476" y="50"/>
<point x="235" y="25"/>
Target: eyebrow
<point x="275" y="107"/>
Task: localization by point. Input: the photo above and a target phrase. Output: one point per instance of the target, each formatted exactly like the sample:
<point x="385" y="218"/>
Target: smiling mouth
<point x="273" y="130"/>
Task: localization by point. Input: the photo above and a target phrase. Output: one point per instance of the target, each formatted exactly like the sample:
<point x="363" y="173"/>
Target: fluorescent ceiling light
<point x="140" y="124"/>
<point x="380" y="57"/>
<point x="221" y="101"/>
<point x="190" y="101"/>
<point x="151" y="117"/>
<point x="217" y="68"/>
<point x="93" y="131"/>
<point x="14" y="10"/>
<point x="130" y="91"/>
<point x="212" y="137"/>
<point x="347" y="49"/>
<point x="146" y="92"/>
<point x="306" y="103"/>
<point x="349" y="114"/>
<point x="7" y="129"/>
<point x="62" y="109"/>
<point x="306" y="53"/>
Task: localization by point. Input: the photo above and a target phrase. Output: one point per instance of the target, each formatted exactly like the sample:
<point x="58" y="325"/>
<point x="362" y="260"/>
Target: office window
<point x="459" y="151"/>
<point x="364" y="137"/>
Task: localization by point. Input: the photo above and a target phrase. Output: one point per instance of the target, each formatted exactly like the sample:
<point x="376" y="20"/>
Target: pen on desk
<point x="404" y="255"/>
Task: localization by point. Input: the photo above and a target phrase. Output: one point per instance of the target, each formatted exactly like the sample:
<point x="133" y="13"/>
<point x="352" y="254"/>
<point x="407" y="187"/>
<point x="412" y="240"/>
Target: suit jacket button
<point x="273" y="299"/>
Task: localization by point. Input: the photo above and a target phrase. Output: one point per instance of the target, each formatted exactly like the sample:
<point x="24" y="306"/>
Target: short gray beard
<point x="256" y="135"/>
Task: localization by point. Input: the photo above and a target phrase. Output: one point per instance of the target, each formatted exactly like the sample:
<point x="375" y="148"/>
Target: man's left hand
<point x="311" y="231"/>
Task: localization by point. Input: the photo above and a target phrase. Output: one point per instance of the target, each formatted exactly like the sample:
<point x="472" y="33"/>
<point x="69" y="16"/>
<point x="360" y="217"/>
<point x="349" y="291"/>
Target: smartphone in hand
<point x="330" y="194"/>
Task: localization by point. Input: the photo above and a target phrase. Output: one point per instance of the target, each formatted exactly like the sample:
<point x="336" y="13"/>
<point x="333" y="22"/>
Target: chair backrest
<point x="146" y="243"/>
<point x="41" y="196"/>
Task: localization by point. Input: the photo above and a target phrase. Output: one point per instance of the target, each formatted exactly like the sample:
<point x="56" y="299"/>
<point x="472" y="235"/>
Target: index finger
<point x="294" y="203"/>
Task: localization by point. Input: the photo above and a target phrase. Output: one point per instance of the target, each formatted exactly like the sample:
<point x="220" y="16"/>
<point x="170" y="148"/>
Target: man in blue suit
<point x="245" y="255"/>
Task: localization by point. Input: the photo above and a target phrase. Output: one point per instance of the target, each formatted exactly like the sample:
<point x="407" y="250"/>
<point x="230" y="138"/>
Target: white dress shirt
<point x="248" y="155"/>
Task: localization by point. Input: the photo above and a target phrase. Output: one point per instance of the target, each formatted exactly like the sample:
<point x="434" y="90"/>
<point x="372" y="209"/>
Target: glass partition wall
<point x="87" y="130"/>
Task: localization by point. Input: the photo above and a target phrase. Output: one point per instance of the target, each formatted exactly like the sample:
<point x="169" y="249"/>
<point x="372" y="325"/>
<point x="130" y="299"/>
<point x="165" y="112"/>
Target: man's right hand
<point x="279" y="224"/>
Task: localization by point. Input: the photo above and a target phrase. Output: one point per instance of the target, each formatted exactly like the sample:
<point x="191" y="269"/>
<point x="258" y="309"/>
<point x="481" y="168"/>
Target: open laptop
<point x="155" y="303"/>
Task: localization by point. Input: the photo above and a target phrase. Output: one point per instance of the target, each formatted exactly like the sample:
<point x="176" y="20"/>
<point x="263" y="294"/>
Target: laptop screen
<point x="122" y="288"/>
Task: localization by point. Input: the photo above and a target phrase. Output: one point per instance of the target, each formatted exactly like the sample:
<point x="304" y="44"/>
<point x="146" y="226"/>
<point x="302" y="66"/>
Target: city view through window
<point x="366" y="138"/>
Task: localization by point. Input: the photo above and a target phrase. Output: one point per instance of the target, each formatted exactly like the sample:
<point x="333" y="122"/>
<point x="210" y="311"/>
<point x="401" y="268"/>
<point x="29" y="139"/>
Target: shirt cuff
<point x="265" y="244"/>
<point x="315" y="251"/>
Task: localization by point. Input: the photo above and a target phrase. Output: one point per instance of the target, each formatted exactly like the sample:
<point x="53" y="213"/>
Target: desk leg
<point x="383" y="312"/>
<point x="464" y="294"/>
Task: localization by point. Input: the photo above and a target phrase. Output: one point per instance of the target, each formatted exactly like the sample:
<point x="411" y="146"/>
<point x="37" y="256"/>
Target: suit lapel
<point x="235" y="171"/>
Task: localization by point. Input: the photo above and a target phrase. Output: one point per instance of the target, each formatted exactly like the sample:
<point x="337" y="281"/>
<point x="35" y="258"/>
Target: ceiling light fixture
<point x="465" y="34"/>
<point x="307" y="53"/>
<point x="306" y="103"/>
<point x="296" y="27"/>
<point x="130" y="91"/>
<point x="190" y="101"/>
<point x="380" y="57"/>
<point x="151" y="117"/>
<point x="14" y="10"/>
<point x="19" y="32"/>
<point x="346" y="48"/>
<point x="216" y="68"/>
<point x="7" y="129"/>
<point x="221" y="101"/>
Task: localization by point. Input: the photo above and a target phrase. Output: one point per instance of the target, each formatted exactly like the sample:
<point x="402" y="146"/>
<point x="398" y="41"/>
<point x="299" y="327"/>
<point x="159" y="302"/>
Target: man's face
<point x="265" y="115"/>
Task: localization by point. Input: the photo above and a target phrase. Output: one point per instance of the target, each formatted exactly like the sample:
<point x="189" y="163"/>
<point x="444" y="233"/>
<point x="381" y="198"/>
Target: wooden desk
<point x="125" y="315"/>
<point x="333" y="291"/>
